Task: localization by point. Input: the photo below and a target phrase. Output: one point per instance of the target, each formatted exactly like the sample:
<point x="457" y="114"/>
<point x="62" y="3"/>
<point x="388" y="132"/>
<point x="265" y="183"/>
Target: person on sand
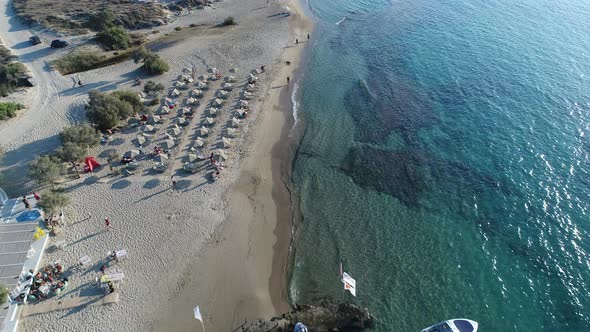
<point x="107" y="223"/>
<point x="173" y="179"/>
<point x="36" y="195"/>
<point x="26" y="203"/>
<point x="80" y="83"/>
<point x="308" y="36"/>
<point x="262" y="68"/>
<point x="288" y="79"/>
<point x="296" y="40"/>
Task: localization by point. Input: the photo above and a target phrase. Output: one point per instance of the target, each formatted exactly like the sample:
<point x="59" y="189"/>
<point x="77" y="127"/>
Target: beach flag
<point x="198" y="313"/>
<point x="349" y="283"/>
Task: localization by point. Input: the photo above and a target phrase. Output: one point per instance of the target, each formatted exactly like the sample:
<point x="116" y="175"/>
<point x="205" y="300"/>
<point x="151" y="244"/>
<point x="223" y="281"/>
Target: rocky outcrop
<point x="318" y="318"/>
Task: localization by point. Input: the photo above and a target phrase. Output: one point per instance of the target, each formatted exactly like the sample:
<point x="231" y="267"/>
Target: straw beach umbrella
<point x="147" y="128"/>
<point x="213" y="111"/>
<point x="218" y="102"/>
<point x="131" y="154"/>
<point x="220" y="155"/>
<point x="250" y="87"/>
<point x="203" y="131"/>
<point x="234" y="70"/>
<point x="242" y="103"/>
<point x="241" y="112"/>
<point x="235" y="122"/>
<point x="231" y="132"/>
<point x="246" y="95"/>
<point x="209" y="120"/>
<point x="153" y="119"/>
<point x="175" y="93"/>
<point x="192" y="101"/>
<point x="161" y="158"/>
<point x="197" y="93"/>
<point x="199" y="143"/>
<point x="230" y="79"/>
<point x="187" y="111"/>
<point x="181" y="121"/>
<point x="201" y="85"/>
<point x="227" y="86"/>
<point x="174" y="131"/>
<point x="212" y="70"/>
<point x="192" y="157"/>
<point x="140" y="140"/>
<point x="255" y="71"/>
<point x="222" y="94"/>
<point x="168" y="144"/>
<point x="226" y="142"/>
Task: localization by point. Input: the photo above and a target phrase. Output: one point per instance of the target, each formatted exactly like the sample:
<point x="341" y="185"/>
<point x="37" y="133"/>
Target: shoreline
<point x="249" y="257"/>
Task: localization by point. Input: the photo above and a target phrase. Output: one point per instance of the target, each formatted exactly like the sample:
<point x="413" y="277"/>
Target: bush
<point x="114" y="38"/>
<point x="154" y="65"/>
<point x="101" y="21"/>
<point x="229" y="21"/>
<point x="192" y="25"/>
<point x="151" y="86"/>
<point x="140" y="53"/>
<point x="130" y="97"/>
<point x="106" y="111"/>
<point x="72" y="153"/>
<point x="79" y="61"/>
<point x="8" y="110"/>
<point x="11" y="75"/>
<point x="83" y="135"/>
<point x="3" y="294"/>
<point x="178" y="28"/>
<point x="53" y="201"/>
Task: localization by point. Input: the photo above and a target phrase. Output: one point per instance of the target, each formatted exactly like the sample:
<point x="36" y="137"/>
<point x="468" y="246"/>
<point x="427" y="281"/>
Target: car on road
<point x="58" y="43"/>
<point x="35" y="40"/>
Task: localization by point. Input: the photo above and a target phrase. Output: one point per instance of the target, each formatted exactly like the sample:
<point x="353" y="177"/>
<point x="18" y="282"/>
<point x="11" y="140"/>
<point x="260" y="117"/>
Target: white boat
<point x="454" y="325"/>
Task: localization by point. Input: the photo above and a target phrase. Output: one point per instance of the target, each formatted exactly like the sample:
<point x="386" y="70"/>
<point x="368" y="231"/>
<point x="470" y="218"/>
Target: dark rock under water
<point x="317" y="318"/>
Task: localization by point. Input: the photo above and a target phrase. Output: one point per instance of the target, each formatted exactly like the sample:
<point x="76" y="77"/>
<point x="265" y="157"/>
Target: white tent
<point x="227" y="86"/>
<point x="209" y="120"/>
<point x="230" y="79"/>
<point x="231" y="132"/>
<point x="235" y="122"/>
<point x="197" y="93"/>
<point x="203" y="131"/>
<point x="168" y="144"/>
<point x="222" y="94"/>
<point x="174" y="92"/>
<point x="201" y="85"/>
<point x="147" y="128"/>
<point x="226" y="142"/>
<point x="218" y="102"/>
<point x="213" y="111"/>
<point x="243" y="103"/>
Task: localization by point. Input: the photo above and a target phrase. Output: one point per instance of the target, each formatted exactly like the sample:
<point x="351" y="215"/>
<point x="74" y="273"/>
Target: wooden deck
<point x="43" y="307"/>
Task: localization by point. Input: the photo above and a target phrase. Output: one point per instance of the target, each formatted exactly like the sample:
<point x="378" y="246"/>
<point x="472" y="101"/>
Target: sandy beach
<point x="221" y="245"/>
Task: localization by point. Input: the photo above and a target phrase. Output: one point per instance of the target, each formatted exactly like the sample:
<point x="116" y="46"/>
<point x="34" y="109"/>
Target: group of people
<point x="44" y="284"/>
<point x="218" y="165"/>
<point x="54" y="220"/>
<point x="26" y="201"/>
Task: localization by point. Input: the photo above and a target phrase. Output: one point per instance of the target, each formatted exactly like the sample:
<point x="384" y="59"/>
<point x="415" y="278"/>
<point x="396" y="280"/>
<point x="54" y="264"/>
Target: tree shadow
<point x="121" y="184"/>
<point x="106" y="153"/>
<point x="117" y="141"/>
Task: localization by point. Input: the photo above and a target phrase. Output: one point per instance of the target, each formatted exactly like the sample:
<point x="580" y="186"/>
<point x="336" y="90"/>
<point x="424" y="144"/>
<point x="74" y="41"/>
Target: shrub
<point x="130" y="97"/>
<point x="114" y="38"/>
<point x="154" y="65"/>
<point x="178" y="28"/>
<point x="229" y="21"/>
<point x="11" y="77"/>
<point x="106" y="111"/>
<point x="72" y="153"/>
<point x="151" y="86"/>
<point x="140" y="53"/>
<point x="8" y="110"/>
<point x="101" y="20"/>
<point x="45" y="169"/>
<point x="83" y="135"/>
<point x="3" y="294"/>
<point x="53" y="201"/>
<point x="78" y="61"/>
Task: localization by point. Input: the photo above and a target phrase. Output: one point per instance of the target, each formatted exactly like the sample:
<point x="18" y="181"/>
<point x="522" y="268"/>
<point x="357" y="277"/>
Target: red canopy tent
<point x="91" y="164"/>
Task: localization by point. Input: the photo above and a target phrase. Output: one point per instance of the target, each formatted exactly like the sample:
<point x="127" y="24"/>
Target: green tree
<point x="114" y="38"/>
<point x="106" y="111"/>
<point x="45" y="170"/>
<point x="140" y="53"/>
<point x="130" y="97"/>
<point x="72" y="153"/>
<point x="154" y="65"/>
<point x="53" y="201"/>
<point x="82" y="134"/>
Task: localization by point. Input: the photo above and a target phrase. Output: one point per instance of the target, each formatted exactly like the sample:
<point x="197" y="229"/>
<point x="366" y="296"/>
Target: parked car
<point x="57" y="43"/>
<point x="35" y="40"/>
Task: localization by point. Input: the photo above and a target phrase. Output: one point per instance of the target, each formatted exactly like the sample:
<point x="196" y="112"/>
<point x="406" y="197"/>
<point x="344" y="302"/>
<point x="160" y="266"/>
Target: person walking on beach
<point x="288" y="79"/>
<point x="308" y="36"/>
<point x="173" y="179"/>
<point x="26" y="203"/>
<point x="297" y="41"/>
<point x="36" y="195"/>
<point x="107" y="223"/>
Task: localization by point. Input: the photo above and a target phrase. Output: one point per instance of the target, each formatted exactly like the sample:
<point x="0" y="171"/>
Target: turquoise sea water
<point x="446" y="162"/>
